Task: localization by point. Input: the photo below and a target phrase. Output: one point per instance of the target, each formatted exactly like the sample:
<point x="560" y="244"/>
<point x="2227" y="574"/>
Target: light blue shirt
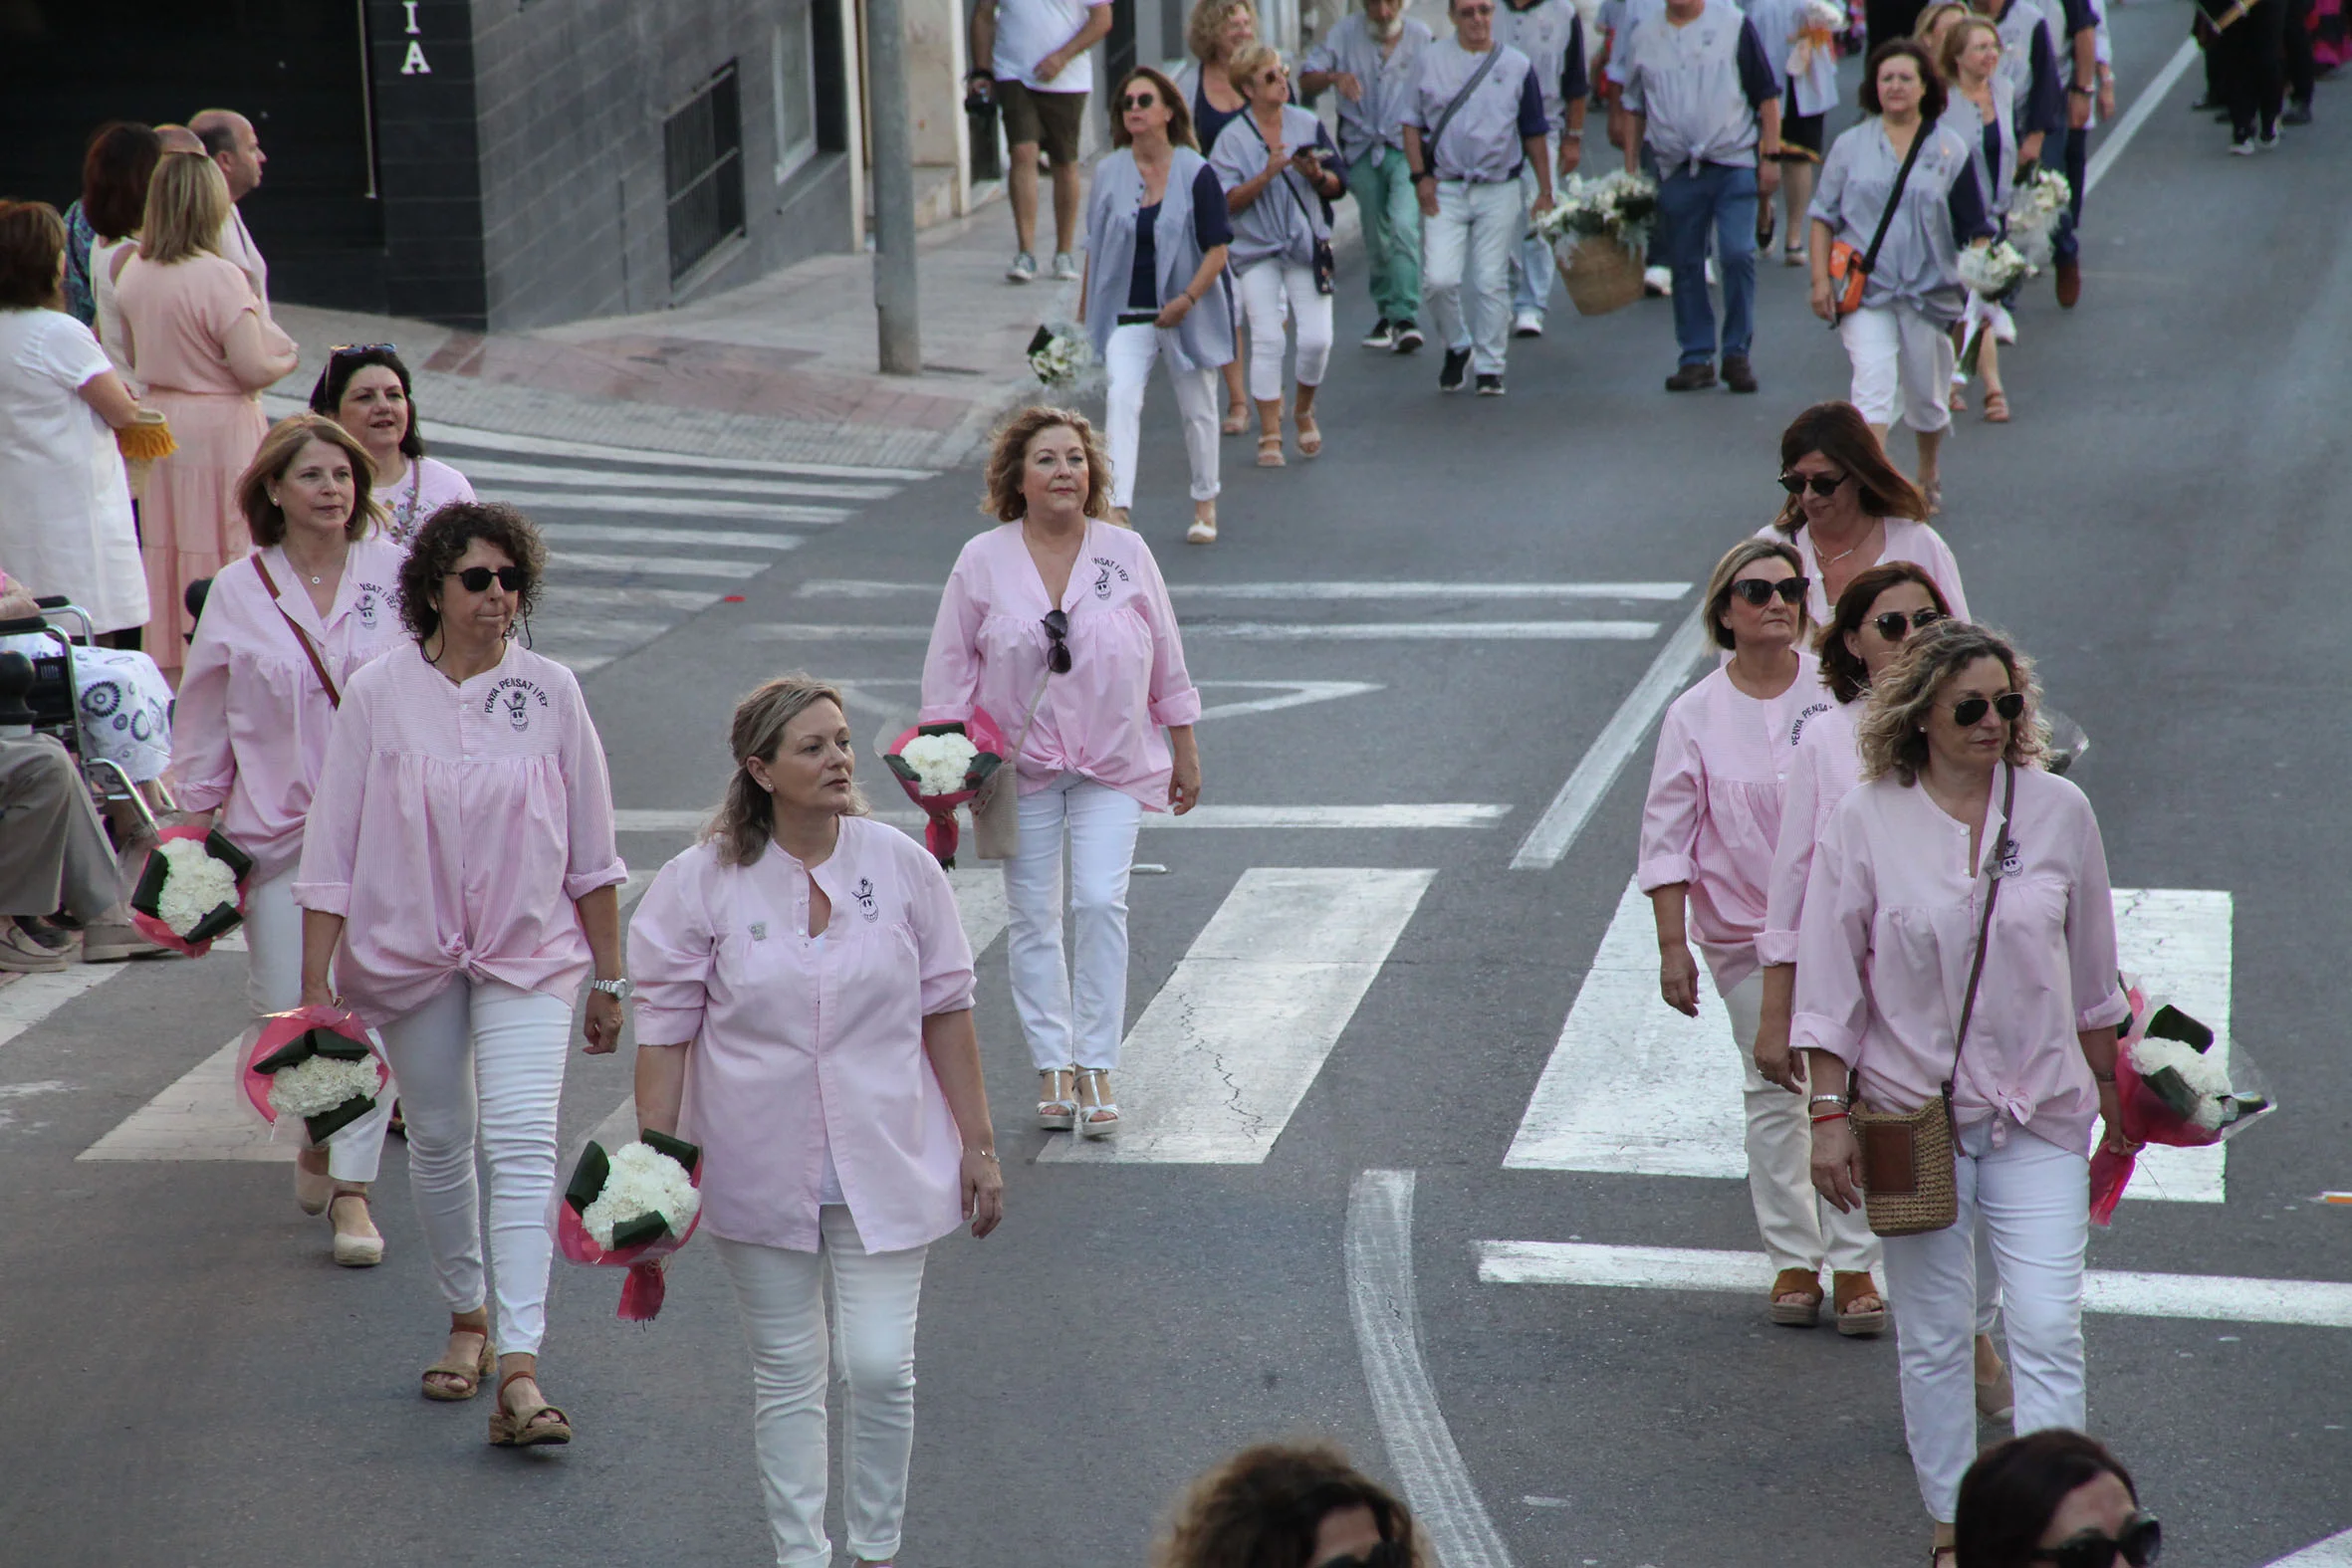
<point x="1370" y="123"/>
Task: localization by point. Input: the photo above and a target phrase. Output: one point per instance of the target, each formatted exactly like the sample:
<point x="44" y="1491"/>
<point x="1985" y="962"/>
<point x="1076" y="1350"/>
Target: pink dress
<point x="252" y="718"/>
<point x="1714" y="808"/>
<point x="454" y="825"/>
<point x="1127" y="679"/>
<point x="806" y="1045"/>
<point x="1827" y="764"/>
<point x="177" y="319"/>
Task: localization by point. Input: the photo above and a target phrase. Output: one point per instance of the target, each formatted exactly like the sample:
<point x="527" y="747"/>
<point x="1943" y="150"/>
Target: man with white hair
<point x="229" y="140"/>
<point x="1373" y="58"/>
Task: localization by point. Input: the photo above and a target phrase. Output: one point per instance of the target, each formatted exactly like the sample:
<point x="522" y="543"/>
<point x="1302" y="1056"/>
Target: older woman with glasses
<point x="1058" y="625"/>
<point x="1958" y="942"/>
<point x="1707" y="839"/>
<point x="459" y="878"/>
<point x="1849" y="510"/>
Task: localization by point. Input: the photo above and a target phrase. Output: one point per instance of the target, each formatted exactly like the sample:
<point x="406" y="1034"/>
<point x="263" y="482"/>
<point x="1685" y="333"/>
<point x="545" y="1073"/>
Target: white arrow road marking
<point x="2334" y="1552"/>
<point x="1293" y="694"/>
<point x="1212" y="1070"/>
<point x="1618" y="1031"/>
<point x="202" y="1116"/>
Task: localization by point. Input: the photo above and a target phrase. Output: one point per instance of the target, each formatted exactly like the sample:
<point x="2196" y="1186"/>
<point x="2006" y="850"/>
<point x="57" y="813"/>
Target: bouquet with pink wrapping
<point x="191" y="890"/>
<point x="629" y="1209"/>
<point x="316" y="1063"/>
<point x="2172" y="1091"/>
<point x="941" y="765"/>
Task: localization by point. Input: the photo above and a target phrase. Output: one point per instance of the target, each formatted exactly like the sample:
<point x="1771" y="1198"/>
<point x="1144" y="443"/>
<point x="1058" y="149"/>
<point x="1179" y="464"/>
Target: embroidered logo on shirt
<point x="1797" y="730"/>
<point x="515" y="696"/>
<point x="864" y="894"/>
<point x="758" y="931"/>
<point x="2010" y="864"/>
<point x="370" y="596"/>
<point x="1110" y="569"/>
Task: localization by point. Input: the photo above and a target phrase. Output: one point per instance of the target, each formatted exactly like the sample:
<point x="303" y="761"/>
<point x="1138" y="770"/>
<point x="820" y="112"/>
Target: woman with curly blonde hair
<point x="1958" y="942"/>
<point x="1057" y="623"/>
<point x="1289" y="1506"/>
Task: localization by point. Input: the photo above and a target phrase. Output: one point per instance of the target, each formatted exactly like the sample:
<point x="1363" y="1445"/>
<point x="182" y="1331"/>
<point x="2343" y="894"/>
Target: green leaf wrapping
<point x="292" y="1053"/>
<point x="326" y="1124"/>
<point x="223" y="920"/>
<point x="678" y="1149"/>
<point x="150" y="891"/>
<point x="902" y="768"/>
<point x="341" y="1047"/>
<point x="2169" y="1086"/>
<point x="982" y="768"/>
<point x="587" y="1177"/>
<point x="1042" y="341"/>
<point x="645" y="1228"/>
<point x="217" y="845"/>
<point x="943" y="727"/>
<point x="2170" y="1024"/>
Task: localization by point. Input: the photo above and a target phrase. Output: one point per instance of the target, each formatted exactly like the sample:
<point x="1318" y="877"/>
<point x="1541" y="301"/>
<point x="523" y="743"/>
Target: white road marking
<point x="1596" y="772"/>
<point x="668" y="506"/>
<point x="1618" y="1031"/>
<point x="1212" y="1070"/>
<point x="202" y="1116"/>
<point x="497" y="474"/>
<point x="568" y="629"/>
<point x="604" y="533"/>
<point x="979" y="904"/>
<point x="1293" y="694"/>
<point x="1385" y="1308"/>
<point x="1283" y="631"/>
<point x="30" y="999"/>
<point x="1383" y="818"/>
<point x="2151" y="98"/>
<point x="866" y="588"/>
<point x="2334" y="1552"/>
<point x="660" y="565"/>
<point x="571" y="596"/>
<point x="2215" y="1299"/>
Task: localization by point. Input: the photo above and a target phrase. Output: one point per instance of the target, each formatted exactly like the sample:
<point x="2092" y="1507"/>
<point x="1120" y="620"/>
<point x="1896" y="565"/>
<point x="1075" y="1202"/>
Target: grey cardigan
<point x="1205" y="337"/>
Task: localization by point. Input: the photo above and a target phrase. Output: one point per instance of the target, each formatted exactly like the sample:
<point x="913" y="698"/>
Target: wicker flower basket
<point x="1601" y="275"/>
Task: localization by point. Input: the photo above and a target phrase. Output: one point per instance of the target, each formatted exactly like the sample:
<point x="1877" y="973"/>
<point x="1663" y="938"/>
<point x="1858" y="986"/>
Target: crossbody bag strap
<point x="1494" y="53"/>
<point x="1886" y="219"/>
<point x="1968" y="1007"/>
<point x="1289" y="176"/>
<point x="317" y="666"/>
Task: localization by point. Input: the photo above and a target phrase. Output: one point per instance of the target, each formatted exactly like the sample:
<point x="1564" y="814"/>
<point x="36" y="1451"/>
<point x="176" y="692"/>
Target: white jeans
<point x="1902" y="364"/>
<point x="1071" y="1013"/>
<point x="1800" y="1229"/>
<point x="1466" y="267"/>
<point x="876" y="1296"/>
<point x="1126" y="365"/>
<point x="484" y="1053"/>
<point x="1532" y="266"/>
<point x="2033" y="1197"/>
<point x="272" y="983"/>
<point x="1267" y="287"/>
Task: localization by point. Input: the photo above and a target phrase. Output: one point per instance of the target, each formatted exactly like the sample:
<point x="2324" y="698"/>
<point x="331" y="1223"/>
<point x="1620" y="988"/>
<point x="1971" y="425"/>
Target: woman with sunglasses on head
<point x="1058" y="625"/>
<point x="1708" y="833"/>
<point x="1849" y="510"/>
<point x="365" y="388"/>
<point x="1154" y="288"/>
<point x="461" y="884"/>
<point x="2053" y="1499"/>
<point x="1958" y="939"/>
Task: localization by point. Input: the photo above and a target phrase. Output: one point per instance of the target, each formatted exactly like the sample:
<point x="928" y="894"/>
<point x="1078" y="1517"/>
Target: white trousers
<point x="1800" y="1229"/>
<point x="1071" y="1013"/>
<point x="2031" y="1201"/>
<point x="1532" y="266"/>
<point x="272" y="983"/>
<point x="1126" y="365"/>
<point x="483" y="1054"/>
<point x="876" y="1296"/>
<point x="1268" y="288"/>
<point x="1902" y="364"/>
<point x="1466" y="267"/>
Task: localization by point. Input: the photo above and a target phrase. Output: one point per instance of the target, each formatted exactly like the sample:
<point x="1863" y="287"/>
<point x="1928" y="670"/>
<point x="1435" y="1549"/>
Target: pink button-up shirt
<point x="454" y="826"/>
<point x="1826" y="766"/>
<point x="1916" y="543"/>
<point x="1890" y="931"/>
<point x="1714" y="809"/>
<point x="801" y="1046"/>
<point x="252" y="719"/>
<point x="1127" y="677"/>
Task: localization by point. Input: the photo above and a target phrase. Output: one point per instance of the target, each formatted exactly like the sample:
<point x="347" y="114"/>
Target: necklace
<point x="1831" y="561"/>
<point x="404" y="520"/>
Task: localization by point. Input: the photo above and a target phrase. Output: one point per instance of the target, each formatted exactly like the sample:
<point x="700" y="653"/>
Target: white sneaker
<point x="1712" y="279"/>
<point x="1065" y="267"/>
<point x="1024" y="269"/>
<point x="1528" y="324"/>
<point x="1656" y="282"/>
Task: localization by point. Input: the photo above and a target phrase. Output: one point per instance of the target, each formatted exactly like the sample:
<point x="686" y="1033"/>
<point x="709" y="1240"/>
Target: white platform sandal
<point x="1058" y="1106"/>
<point x="1094" y="1083"/>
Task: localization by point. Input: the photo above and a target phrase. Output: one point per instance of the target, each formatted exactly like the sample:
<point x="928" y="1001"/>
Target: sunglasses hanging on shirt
<point x="1758" y="593"/>
<point x="1058" y="641"/>
<point x="1968" y="712"/>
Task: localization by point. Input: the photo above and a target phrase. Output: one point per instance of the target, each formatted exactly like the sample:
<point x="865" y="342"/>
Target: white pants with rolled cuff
<point x="1532" y="266"/>
<point x="484" y="1063"/>
<point x="1127" y="359"/>
<point x="272" y="983"/>
<point x="1800" y="1227"/>
<point x="1466" y="267"/>
<point x="1902" y="364"/>
<point x="874" y="1297"/>
<point x="2030" y="1201"/>
<point x="1267" y="288"/>
<point x="1071" y="1013"/>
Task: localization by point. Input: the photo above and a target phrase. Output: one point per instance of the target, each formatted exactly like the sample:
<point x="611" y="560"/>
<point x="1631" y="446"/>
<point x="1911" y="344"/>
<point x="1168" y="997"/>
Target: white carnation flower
<point x="194" y="887"/>
<point x="641" y="1181"/>
<point x="941" y="761"/>
<point x="2204" y="1076"/>
<point x="320" y="1084"/>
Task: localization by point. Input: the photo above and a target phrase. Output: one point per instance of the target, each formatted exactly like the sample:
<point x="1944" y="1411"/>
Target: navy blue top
<point x="1533" y="122"/>
<point x="1758" y="80"/>
<point x="1212" y="226"/>
<point x="1993" y="170"/>
<point x="1573" y="83"/>
<point x="1207" y="118"/>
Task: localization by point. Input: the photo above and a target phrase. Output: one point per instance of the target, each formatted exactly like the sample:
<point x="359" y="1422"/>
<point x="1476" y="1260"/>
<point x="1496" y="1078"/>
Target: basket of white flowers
<point x="1597" y="230"/>
<point x="317" y="1064"/>
<point x="629" y="1209"/>
<point x="191" y="890"/>
<point x="942" y="765"/>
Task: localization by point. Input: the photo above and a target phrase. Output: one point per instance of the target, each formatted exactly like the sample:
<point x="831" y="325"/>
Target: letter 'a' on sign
<point x="413" y="63"/>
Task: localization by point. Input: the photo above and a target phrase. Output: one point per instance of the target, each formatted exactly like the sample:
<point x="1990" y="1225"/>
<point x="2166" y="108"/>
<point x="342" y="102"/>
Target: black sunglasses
<point x="1824" y="483"/>
<point x="1968" y="712"/>
<point x="1388" y="1554"/>
<point x="346" y="350"/>
<point x="1058" y="641"/>
<point x="1894" y="624"/>
<point x="476" y="580"/>
<point x="1139" y="101"/>
<point x="1758" y="593"/>
<point x="2139" y="1544"/>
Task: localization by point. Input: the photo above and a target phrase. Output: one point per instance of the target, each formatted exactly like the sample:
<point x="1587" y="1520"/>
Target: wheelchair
<point x="56" y="701"/>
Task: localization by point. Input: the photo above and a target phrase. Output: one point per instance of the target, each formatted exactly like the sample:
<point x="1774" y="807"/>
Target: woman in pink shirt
<point x="1058" y="625"/>
<point x="365" y="386"/>
<point x="1706" y="836"/>
<point x="805" y="1016"/>
<point x="1893" y="908"/>
<point x="1849" y="510"/>
<point x="284" y="630"/>
<point x="459" y="853"/>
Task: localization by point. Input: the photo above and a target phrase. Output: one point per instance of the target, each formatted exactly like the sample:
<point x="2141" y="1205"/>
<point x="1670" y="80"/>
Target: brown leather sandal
<point x="1858" y="1322"/>
<point x="526" y="1430"/>
<point x="1996" y="407"/>
<point x="1803" y="1283"/>
<point x="465" y="1377"/>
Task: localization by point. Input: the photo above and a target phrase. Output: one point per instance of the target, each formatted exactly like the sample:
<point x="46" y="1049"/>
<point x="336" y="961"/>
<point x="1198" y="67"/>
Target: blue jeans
<point x="1687" y="202"/>
<point x="2064" y="244"/>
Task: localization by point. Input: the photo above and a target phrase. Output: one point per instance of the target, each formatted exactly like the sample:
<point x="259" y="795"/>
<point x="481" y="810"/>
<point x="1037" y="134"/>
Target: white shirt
<point x="236" y="243"/>
<point x="65" y="501"/>
<point x="1030" y="30"/>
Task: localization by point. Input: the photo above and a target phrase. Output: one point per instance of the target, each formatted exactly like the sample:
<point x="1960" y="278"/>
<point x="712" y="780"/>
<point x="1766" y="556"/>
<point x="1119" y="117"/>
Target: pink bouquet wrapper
<point x="643" y="1292"/>
<point x="151" y="879"/>
<point x="940" y="833"/>
<point x="278" y="1030"/>
<point x="2147" y="1116"/>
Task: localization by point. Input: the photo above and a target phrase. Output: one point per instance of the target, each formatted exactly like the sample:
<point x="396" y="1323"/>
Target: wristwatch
<point x="2076" y="86"/>
<point x="617" y="990"/>
<point x="1422" y="175"/>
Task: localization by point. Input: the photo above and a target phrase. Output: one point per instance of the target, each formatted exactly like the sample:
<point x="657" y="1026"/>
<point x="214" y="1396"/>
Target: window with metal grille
<point x="702" y="149"/>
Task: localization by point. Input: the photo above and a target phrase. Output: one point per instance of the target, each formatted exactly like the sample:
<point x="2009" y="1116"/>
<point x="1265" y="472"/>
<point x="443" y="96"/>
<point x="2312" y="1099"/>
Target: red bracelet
<point x="1828" y="1116"/>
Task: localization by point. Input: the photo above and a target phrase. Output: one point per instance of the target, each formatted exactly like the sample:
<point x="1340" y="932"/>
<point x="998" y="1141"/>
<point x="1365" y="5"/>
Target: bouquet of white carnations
<point x="2036" y="203"/>
<point x="629" y="1207"/>
<point x="2174" y="1089"/>
<point x="1993" y="270"/>
<point x="191" y="890"/>
<point x="1059" y="352"/>
<point x="315" y="1064"/>
<point x="1617" y="206"/>
<point x="941" y="765"/>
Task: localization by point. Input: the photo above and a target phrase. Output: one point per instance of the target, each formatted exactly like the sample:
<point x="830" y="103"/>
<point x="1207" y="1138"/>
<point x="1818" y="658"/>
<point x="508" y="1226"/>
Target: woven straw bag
<point x="1909" y="1184"/>
<point x="1600" y="274"/>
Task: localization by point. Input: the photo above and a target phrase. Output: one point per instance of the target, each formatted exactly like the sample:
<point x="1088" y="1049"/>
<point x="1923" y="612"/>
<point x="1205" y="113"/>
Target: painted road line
<point x="30" y="999"/>
<point x="2151" y="98"/>
<point x="1212" y="1070"/>
<point x="1596" y="772"/>
<point x="1618" y="1031"/>
<point x="668" y="506"/>
<point x="1290" y="694"/>
<point x="1374" y="819"/>
<point x="494" y="475"/>
<point x="1283" y="632"/>
<point x="1385" y="1308"/>
<point x="865" y="588"/>
<point x="606" y="534"/>
<point x="2211" y="1299"/>
<point x="2334" y="1552"/>
<point x="571" y="595"/>
<point x="661" y="565"/>
<point x="979" y="904"/>
<point x="202" y="1116"/>
<point x="561" y="629"/>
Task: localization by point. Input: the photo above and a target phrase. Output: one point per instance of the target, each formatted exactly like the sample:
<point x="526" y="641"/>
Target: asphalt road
<point x="186" y="1380"/>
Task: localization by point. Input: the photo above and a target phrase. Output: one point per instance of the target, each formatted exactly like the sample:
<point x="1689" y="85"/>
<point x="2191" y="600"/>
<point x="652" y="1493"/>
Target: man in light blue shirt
<point x="1373" y="58"/>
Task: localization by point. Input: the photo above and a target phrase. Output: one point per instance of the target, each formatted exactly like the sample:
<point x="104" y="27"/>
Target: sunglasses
<point x="1139" y="101"/>
<point x="476" y="580"/>
<point x="1894" y="624"/>
<point x="1968" y="712"/>
<point x="1388" y="1554"/>
<point x="1822" y="484"/>
<point x="1058" y="642"/>
<point x="1758" y="593"/>
<point x="2142" y="1539"/>
<point x="346" y="351"/>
